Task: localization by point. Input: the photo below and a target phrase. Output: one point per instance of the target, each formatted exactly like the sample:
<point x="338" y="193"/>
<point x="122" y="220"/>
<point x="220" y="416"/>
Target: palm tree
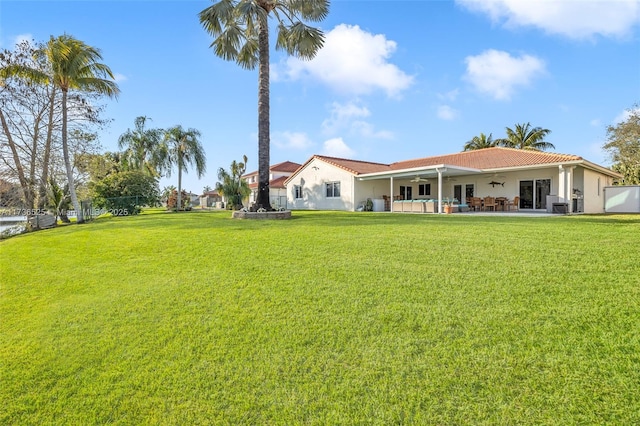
<point x="241" y="33"/>
<point x="142" y="147"/>
<point x="231" y="184"/>
<point x="182" y="148"/>
<point x="74" y="66"/>
<point x="480" y="142"/>
<point x="526" y="137"/>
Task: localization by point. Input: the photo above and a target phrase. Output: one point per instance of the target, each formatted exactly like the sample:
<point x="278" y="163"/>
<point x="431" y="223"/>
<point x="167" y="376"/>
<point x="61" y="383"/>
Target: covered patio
<point x="401" y="201"/>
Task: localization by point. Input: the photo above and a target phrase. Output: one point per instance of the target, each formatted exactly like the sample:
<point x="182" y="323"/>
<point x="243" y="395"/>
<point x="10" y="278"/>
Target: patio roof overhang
<point x="423" y="172"/>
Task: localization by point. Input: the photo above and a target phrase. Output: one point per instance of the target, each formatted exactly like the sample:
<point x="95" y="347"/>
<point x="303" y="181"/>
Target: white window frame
<point x="297" y="192"/>
<point x="333" y="186"/>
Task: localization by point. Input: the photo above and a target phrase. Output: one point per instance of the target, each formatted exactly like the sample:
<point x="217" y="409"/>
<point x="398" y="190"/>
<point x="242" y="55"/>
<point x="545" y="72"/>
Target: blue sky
<point x="396" y="80"/>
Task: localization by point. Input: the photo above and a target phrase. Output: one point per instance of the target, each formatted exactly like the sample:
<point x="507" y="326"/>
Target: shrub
<point x="124" y="193"/>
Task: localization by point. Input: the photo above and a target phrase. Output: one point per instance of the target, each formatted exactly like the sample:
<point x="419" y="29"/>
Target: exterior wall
<point x="374" y="189"/>
<point x="594" y="184"/>
<point x="482" y="187"/>
<point x="313" y="180"/>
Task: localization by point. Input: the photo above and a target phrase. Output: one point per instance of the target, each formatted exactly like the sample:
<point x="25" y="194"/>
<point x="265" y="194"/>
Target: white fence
<point x="622" y="199"/>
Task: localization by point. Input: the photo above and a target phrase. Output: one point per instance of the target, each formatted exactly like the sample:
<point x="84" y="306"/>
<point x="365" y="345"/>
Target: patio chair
<point x="475" y="203"/>
<point x="489" y="203"/>
<point x="515" y="203"/>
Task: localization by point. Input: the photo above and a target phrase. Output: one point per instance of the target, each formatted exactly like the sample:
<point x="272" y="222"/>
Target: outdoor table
<point x="502" y="203"/>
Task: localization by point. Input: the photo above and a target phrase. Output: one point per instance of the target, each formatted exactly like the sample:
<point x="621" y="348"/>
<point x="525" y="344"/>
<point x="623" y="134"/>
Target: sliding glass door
<point x="468" y="192"/>
<point x="533" y="193"/>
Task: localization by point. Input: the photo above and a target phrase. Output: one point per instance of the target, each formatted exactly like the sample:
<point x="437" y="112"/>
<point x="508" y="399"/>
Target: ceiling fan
<point x="419" y="179"/>
<point x="495" y="176"/>
<point x="450" y="179"/>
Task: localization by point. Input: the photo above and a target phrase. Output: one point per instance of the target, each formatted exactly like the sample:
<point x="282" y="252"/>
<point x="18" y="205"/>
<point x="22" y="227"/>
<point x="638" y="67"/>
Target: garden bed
<point x="239" y="214"/>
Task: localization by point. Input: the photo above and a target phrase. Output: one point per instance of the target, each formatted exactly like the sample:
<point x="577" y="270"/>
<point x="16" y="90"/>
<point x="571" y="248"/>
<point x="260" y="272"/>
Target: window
<point x="297" y="191"/>
<point x="405" y="192"/>
<point x="333" y="189"/>
<point x="424" y="189"/>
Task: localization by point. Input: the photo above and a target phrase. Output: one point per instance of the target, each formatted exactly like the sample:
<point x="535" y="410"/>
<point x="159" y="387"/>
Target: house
<point x="278" y="174"/>
<point x="539" y="179"/>
<point x="211" y="199"/>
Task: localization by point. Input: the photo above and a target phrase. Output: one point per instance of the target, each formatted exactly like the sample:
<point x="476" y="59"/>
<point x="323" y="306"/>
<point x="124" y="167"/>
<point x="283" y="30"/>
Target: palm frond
<point x="228" y="43"/>
<point x="310" y="10"/>
<point x="248" y="56"/>
<point x="300" y="40"/>
<point x="217" y="16"/>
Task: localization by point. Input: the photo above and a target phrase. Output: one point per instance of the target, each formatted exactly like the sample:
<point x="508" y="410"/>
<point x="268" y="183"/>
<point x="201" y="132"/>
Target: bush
<point x="124" y="193"/>
<point x="172" y="201"/>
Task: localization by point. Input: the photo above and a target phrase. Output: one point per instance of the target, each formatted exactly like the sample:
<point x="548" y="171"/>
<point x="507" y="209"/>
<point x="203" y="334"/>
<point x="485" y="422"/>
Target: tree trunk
<point x="67" y="161"/>
<point x="179" y="197"/>
<point x="27" y="192"/>
<point x="262" y="200"/>
<point x="44" y="180"/>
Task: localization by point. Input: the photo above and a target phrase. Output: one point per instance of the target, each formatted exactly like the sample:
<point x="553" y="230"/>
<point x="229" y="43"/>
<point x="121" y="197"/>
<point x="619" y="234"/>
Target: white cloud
<point x="577" y="19"/>
<point x="21" y="38"/>
<point x="498" y="74"/>
<point x="624" y="115"/>
<point x="352" y="61"/>
<point x="342" y="115"/>
<point x="119" y="77"/>
<point x="336" y="147"/>
<point x="445" y="112"/>
<point x="450" y="96"/>
<point x="291" y="140"/>
<point x="367" y="130"/>
<point x="595" y="123"/>
<point x="349" y="116"/>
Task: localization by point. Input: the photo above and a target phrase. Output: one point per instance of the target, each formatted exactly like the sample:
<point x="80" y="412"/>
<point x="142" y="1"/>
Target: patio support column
<point x="562" y="184"/>
<point x="439" y="190"/>
<point x="391" y="192"/>
<point x="569" y="190"/>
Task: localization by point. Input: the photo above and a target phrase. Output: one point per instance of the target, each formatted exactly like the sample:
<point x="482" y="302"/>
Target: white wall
<point x="622" y="199"/>
<point x="312" y="178"/>
<point x="594" y="184"/>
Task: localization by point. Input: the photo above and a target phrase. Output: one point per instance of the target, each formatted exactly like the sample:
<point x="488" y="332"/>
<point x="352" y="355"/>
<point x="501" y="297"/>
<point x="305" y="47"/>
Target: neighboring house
<point x="537" y="178"/>
<point x="278" y="173"/>
<point x="194" y="199"/>
<point x="211" y="199"/>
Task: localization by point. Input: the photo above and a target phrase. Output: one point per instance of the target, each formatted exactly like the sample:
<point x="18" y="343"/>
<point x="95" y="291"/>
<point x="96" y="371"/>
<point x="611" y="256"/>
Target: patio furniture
<point x="489" y="203"/>
<point x="501" y="203"/>
<point x="515" y="204"/>
<point x="417" y="206"/>
<point x="475" y="204"/>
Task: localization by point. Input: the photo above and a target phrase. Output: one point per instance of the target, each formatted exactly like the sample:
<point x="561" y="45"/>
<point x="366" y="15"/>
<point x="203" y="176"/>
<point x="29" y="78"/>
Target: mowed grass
<point x="328" y="318"/>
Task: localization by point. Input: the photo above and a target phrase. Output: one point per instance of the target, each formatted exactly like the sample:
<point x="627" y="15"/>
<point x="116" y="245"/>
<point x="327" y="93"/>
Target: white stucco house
<point x="278" y="173"/>
<point x="538" y="179"/>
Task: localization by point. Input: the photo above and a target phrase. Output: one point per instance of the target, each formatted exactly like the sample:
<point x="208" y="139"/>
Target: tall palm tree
<point x="182" y="148"/>
<point x="480" y="142"/>
<point x="241" y="33"/>
<point x="141" y="147"/>
<point x="74" y="66"/>
<point x="526" y="137"/>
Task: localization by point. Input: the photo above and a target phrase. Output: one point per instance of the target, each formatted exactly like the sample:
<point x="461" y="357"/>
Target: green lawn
<point x="328" y="318"/>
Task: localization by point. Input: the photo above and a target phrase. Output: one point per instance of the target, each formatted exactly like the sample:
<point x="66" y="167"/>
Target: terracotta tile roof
<point x="211" y="194"/>
<point x="285" y="166"/>
<point x="278" y="182"/>
<point x="273" y="183"/>
<point x="354" y="166"/>
<point x="489" y="158"/>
